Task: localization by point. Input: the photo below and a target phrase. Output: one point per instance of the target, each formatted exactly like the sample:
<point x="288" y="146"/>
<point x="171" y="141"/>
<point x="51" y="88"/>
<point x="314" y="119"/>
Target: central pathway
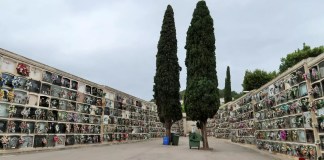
<point x="148" y="150"/>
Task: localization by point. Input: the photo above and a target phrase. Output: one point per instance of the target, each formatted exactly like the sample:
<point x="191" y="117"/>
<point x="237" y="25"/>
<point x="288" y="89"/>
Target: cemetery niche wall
<point x="241" y="120"/>
<point x="222" y="126"/>
<point x="284" y="116"/>
<point x="178" y="128"/>
<point x="284" y="121"/>
<point x="41" y="106"/>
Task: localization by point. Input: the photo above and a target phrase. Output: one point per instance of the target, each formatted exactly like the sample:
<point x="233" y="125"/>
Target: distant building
<point x="222" y="101"/>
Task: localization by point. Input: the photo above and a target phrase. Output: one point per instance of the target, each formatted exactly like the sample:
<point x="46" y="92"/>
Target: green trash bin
<point x="194" y="140"/>
<point x="175" y="140"/>
<point x="172" y="135"/>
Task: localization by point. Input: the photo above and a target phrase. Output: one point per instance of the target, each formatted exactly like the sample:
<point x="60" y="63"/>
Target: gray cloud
<point x="114" y="42"/>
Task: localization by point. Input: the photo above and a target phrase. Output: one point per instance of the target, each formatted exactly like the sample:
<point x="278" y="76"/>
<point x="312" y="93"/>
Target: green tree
<point x="256" y="79"/>
<point x="298" y="55"/>
<point x="166" y="80"/>
<point x="236" y="95"/>
<point x="182" y="94"/>
<point x="201" y="97"/>
<point x="220" y="93"/>
<point x="228" y="90"/>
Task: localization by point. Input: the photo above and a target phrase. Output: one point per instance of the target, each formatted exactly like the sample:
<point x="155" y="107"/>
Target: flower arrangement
<point x="315" y="75"/>
<point x="22" y="69"/>
<point x="11" y="95"/>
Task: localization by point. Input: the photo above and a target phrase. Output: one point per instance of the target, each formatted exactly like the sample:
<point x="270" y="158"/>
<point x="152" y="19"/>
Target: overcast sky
<point x="114" y="42"/>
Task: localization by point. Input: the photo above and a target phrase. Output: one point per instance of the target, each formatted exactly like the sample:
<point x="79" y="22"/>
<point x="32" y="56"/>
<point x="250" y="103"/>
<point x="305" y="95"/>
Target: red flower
<point x="22" y="69"/>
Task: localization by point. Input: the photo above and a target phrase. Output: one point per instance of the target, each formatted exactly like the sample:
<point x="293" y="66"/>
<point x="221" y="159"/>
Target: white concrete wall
<point x="188" y="125"/>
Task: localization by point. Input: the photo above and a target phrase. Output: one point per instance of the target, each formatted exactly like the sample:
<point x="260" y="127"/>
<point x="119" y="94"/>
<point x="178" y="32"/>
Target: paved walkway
<point x="149" y="150"/>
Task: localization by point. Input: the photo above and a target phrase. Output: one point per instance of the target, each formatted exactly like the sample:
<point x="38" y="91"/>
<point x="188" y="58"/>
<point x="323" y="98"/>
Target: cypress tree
<point x="166" y="80"/>
<point x="201" y="97"/>
<point x="228" y="90"/>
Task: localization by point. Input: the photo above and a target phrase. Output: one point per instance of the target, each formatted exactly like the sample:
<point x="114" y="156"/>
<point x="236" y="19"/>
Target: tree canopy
<point x="201" y="98"/>
<point x="257" y="78"/>
<point x="166" y="81"/>
<point x="235" y="94"/>
<point x="293" y="58"/>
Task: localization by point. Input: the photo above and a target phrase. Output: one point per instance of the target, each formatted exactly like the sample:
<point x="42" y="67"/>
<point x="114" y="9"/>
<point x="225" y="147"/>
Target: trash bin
<point x="175" y="140"/>
<point x="165" y="140"/>
<point x="171" y="138"/>
<point x="194" y="140"/>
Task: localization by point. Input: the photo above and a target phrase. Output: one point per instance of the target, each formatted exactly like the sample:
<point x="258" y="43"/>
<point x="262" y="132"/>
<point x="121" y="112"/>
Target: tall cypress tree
<point x="228" y="89"/>
<point x="166" y="81"/>
<point x="201" y="97"/>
